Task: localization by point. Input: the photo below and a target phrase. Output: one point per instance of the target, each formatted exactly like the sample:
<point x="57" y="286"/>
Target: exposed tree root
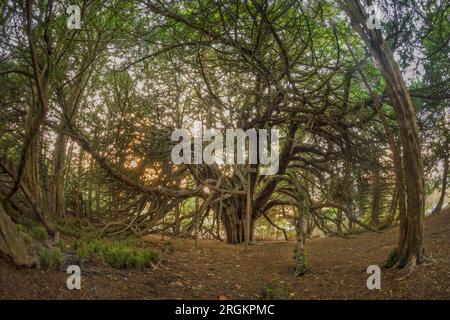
<point x="409" y="269"/>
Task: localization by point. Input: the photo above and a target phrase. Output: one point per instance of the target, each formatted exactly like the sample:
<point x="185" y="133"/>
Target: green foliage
<point x="61" y="244"/>
<point x="127" y="124"/>
<point x="83" y="250"/>
<point x="36" y="231"/>
<point x="27" y="238"/>
<point x="20" y="228"/>
<point x="276" y="290"/>
<point x="330" y="213"/>
<point x="50" y="258"/>
<point x="303" y="263"/>
<point x="74" y="227"/>
<point x="392" y="259"/>
<point x="23" y="231"/>
<point x="119" y="254"/>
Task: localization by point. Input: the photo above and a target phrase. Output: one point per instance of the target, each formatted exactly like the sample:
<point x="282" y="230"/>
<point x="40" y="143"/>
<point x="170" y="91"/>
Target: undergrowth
<point x="119" y="254"/>
<point x="391" y="260"/>
<point x="276" y="290"/>
<point x="34" y="230"/>
<point x="50" y="258"/>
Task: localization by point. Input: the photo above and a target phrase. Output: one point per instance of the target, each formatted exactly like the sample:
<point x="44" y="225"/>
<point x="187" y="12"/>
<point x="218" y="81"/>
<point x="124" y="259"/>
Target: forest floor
<point x="215" y="270"/>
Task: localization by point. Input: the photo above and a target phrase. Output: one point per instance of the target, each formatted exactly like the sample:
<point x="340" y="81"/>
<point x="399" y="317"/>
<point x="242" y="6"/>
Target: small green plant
<point x="392" y="259"/>
<point x="27" y="238"/>
<point x="276" y="290"/>
<point x="20" y="227"/>
<point x="119" y="254"/>
<point x="37" y="231"/>
<point x="300" y="263"/>
<point x="82" y="250"/>
<point x="50" y="258"/>
<point x="23" y="232"/>
<point x="61" y="244"/>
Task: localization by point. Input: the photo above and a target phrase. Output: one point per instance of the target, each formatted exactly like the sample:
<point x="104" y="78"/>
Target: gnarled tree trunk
<point x="12" y="245"/>
<point x="233" y="220"/>
<point x="410" y="248"/>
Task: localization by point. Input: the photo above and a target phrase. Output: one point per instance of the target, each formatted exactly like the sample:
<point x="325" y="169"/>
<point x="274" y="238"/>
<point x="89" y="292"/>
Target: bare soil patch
<point x="213" y="270"/>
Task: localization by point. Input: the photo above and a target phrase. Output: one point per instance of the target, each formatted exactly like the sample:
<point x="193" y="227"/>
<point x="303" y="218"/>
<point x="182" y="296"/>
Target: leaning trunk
<point x="12" y="245"/>
<point x="411" y="246"/>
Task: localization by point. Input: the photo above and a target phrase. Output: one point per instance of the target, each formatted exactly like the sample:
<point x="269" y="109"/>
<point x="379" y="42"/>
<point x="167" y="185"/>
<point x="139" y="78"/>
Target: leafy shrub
<point x="82" y="250"/>
<point x="61" y="244"/>
<point x="119" y="254"/>
<point x="37" y="231"/>
<point x="27" y="238"/>
<point x="392" y="259"/>
<point x="50" y="258"/>
<point x="23" y="232"/>
<point x="276" y="290"/>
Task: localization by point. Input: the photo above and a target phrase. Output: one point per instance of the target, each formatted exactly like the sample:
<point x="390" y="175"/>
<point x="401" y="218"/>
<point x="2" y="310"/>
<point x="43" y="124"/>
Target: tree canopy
<point x="87" y="116"/>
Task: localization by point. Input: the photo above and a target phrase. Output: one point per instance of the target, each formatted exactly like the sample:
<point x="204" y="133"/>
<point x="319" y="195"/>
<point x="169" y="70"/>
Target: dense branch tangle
<point x="109" y="96"/>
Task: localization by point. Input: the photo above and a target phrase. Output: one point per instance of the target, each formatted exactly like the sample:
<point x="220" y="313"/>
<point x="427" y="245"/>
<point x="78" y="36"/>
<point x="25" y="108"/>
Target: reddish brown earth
<point x="213" y="270"/>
